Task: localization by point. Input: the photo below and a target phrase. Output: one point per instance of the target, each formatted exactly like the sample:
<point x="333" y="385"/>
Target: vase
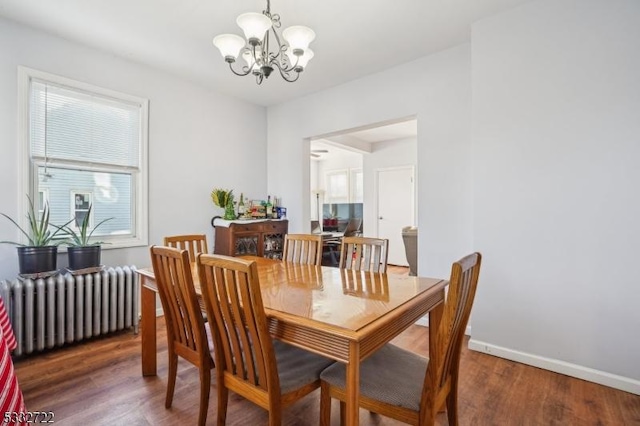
<point x="229" y="212"/>
<point x="83" y="257"/>
<point x="34" y="260"/>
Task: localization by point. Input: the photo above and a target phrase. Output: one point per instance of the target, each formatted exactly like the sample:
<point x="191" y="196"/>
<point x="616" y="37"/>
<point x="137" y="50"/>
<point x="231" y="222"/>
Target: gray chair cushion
<point x="390" y="375"/>
<point x="297" y="367"/>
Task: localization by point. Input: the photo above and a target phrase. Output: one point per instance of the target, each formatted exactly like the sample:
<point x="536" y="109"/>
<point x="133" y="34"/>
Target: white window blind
<point x="73" y="125"/>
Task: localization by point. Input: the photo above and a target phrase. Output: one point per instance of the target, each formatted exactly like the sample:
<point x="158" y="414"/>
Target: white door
<point x="395" y="209"/>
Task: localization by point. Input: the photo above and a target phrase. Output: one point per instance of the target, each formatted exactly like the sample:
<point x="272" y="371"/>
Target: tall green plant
<point x="38" y="233"/>
<point x="81" y="237"/>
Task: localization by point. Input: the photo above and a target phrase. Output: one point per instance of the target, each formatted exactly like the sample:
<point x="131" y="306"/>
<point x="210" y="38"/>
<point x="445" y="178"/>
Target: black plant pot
<point x="82" y="257"/>
<point x="34" y="260"/>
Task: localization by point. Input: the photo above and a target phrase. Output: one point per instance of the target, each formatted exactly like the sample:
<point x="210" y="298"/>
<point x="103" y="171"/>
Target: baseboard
<point x="424" y="321"/>
<point x="585" y="373"/>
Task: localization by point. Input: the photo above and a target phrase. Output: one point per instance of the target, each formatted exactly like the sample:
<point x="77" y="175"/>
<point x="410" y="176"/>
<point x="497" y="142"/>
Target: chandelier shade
<point x="229" y="45"/>
<point x="264" y="50"/>
<point x="302" y="59"/>
<point x="254" y="26"/>
<point x="298" y="37"/>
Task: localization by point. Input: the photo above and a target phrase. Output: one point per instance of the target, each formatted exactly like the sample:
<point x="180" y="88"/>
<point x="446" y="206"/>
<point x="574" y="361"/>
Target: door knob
<point x="380" y="217"/>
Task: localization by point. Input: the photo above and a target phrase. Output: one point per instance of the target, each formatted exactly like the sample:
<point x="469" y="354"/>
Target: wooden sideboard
<point x="264" y="238"/>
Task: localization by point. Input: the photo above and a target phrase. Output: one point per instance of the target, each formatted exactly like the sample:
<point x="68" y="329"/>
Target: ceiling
<point x="353" y="38"/>
<point x="361" y="140"/>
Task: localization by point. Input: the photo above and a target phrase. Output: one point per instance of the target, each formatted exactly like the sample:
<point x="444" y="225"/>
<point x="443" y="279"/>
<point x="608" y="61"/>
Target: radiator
<point x="54" y="311"/>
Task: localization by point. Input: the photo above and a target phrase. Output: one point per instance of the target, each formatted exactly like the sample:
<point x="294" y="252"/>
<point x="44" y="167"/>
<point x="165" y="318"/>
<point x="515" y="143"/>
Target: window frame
<point x="356" y="196"/>
<point x="28" y="167"/>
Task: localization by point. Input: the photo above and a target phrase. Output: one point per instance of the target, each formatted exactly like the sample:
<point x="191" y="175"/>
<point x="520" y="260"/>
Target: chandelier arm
<point x="285" y="70"/>
<point x="241" y="74"/>
<point x="286" y="74"/>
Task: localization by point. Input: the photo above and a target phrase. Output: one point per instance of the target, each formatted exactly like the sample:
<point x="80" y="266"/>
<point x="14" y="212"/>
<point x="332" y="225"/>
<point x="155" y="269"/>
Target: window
<point x="344" y="186"/>
<point x="86" y="146"/>
<point x="357" y="188"/>
<point x="337" y="186"/>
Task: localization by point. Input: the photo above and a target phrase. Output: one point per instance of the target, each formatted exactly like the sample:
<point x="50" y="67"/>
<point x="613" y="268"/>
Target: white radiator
<point x="49" y="312"/>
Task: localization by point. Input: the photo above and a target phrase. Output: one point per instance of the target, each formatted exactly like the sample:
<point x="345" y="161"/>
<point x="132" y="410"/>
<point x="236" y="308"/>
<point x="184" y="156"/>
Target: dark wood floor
<point x="100" y="383"/>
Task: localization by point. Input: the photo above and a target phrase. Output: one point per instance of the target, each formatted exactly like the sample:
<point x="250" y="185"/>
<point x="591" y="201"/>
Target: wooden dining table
<point x="342" y="314"/>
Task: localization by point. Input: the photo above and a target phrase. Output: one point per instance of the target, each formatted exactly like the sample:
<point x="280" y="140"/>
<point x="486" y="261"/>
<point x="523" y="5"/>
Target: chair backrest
<point x="315" y="227"/>
<point x="303" y="248"/>
<point x="194" y="244"/>
<point x="353" y="227"/>
<point x="364" y="254"/>
<point x="242" y="345"/>
<point x="444" y="362"/>
<point x="183" y="316"/>
<point x="410" y="240"/>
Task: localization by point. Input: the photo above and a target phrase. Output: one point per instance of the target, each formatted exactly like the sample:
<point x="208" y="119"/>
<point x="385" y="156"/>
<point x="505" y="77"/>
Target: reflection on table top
<point x="336" y="297"/>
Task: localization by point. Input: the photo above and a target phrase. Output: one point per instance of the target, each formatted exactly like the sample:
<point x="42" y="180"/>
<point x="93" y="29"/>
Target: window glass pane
<point x="80" y="203"/>
<point x="338" y="187"/>
<point x="110" y="194"/>
<point x="73" y="125"/>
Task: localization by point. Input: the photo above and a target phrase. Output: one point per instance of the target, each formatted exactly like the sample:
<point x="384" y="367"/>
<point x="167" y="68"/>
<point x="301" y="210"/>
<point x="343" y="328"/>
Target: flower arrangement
<point x="224" y="198"/>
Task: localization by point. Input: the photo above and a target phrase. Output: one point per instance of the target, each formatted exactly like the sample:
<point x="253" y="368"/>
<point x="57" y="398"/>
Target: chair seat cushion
<point x="297" y="367"/>
<point x="390" y="375"/>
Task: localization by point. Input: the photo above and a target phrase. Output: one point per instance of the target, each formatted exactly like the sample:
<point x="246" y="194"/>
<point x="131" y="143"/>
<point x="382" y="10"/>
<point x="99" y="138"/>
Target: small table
<point x="341" y="314"/>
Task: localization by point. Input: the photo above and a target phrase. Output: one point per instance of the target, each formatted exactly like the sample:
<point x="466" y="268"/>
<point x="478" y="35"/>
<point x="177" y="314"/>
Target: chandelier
<point x="261" y="54"/>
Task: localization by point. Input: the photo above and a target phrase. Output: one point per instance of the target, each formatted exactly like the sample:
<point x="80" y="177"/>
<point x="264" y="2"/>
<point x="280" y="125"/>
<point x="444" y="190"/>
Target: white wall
<point x="190" y="132"/>
<point x="437" y="91"/>
<point x="556" y="133"/>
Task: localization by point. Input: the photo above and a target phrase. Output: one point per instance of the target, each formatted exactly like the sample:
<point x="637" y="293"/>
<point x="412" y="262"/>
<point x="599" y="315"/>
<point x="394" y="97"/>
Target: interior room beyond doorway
<point x="344" y="169"/>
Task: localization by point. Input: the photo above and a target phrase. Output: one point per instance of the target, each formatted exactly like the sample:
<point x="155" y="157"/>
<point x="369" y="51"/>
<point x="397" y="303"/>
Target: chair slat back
<point x="194" y="244"/>
<point x="184" y="321"/>
<point x="364" y="254"/>
<point x="444" y="362"/>
<point x="242" y="344"/>
<point x="303" y="248"/>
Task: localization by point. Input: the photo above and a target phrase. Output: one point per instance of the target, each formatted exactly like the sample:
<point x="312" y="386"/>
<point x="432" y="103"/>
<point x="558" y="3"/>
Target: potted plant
<point x="224" y="198"/>
<point x="41" y="252"/>
<point x="82" y="252"/>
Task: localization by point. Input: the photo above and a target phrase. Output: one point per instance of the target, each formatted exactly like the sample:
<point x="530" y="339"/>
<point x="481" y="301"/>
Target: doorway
<point x="336" y="180"/>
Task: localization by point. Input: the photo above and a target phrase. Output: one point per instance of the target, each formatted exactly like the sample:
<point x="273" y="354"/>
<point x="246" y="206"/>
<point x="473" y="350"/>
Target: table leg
<point x="435" y="317"/>
<point x="353" y="385"/>
<point x="148" y="314"/>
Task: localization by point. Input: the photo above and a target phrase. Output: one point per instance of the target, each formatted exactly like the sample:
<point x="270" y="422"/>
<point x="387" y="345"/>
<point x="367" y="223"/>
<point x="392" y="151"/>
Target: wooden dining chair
<point x="405" y="386"/>
<point x="186" y="333"/>
<point x="364" y="254"/>
<point x="353" y="228"/>
<point x="194" y="244"/>
<point x="303" y="248"/>
<point x="267" y="372"/>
